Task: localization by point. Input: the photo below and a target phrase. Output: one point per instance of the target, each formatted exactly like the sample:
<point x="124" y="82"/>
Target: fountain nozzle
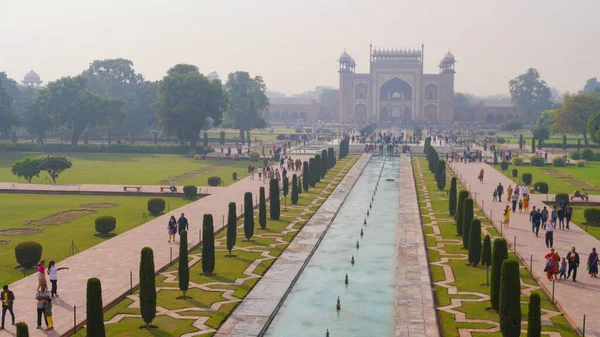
<point x="338" y="306"/>
<point x="361" y="232"/>
<point x="352" y="260"/>
<point x="346" y="279"/>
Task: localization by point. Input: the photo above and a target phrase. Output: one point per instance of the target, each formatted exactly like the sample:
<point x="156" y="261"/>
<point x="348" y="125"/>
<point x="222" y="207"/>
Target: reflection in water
<point x="367" y="298"/>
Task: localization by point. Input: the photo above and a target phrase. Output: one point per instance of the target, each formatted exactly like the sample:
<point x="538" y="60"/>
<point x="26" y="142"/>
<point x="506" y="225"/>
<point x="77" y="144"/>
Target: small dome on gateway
<point x="32" y="77"/>
<point x="448" y="57"/>
<point x="346" y="58"/>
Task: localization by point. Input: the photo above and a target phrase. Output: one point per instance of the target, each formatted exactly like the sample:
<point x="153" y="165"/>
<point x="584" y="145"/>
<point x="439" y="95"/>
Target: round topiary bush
<point x="212" y="181"/>
<point x="191" y="191"/>
<point x="234" y="176"/>
<point x="575" y="155"/>
<point x="504" y="165"/>
<point x="500" y="140"/>
<point x="515" y="173"/>
<point x="561" y="197"/>
<point x="587" y="154"/>
<point x="254" y="156"/>
<point x="541" y="187"/>
<point x="517" y="161"/>
<point x="558" y="162"/>
<point x="592" y="215"/>
<point x="105" y="224"/>
<point x="28" y="254"/>
<point x="527" y="178"/>
<point x="537" y="161"/>
<point x="580" y="163"/>
<point x="156" y="205"/>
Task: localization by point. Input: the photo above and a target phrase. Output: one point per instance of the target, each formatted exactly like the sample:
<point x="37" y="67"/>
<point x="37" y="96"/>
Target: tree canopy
<point x="546" y="119"/>
<point x="247" y="101"/>
<point x="186" y="99"/>
<point x="593" y="127"/>
<point x="330" y="102"/>
<point x="7" y="114"/>
<point x="592" y="86"/>
<point x="37" y="118"/>
<point x="530" y="94"/>
<point x="577" y="109"/>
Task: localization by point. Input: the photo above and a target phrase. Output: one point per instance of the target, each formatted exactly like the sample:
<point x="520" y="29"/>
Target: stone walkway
<point x="574" y="299"/>
<point x="9" y="187"/>
<point x="257" y="309"/>
<point x="415" y="308"/>
<point x="116" y="260"/>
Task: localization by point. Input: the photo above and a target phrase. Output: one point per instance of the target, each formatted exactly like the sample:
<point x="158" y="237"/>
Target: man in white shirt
<point x="172" y="185"/>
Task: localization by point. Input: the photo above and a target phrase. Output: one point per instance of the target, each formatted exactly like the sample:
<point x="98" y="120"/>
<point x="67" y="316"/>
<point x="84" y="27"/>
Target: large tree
<point x="247" y="101"/>
<point x="330" y="102"/>
<point x="592" y="86"/>
<point x="78" y="108"/>
<point x="530" y="94"/>
<point x="462" y="105"/>
<point x="37" y="117"/>
<point x="186" y="99"/>
<point x="575" y="113"/>
<point x="21" y="95"/>
<point x="593" y="127"/>
<point x="546" y="119"/>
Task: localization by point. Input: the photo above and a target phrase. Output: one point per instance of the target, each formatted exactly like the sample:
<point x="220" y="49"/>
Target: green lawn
<point x="557" y="184"/>
<point x="133" y="169"/>
<point x="227" y="270"/>
<point x="55" y="239"/>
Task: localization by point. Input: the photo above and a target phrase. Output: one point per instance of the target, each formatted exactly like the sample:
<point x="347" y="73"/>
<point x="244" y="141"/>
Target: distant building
<point x="292" y="109"/>
<point x="396" y="88"/>
<point x="213" y="76"/>
<point x="32" y="79"/>
<point x="492" y="111"/>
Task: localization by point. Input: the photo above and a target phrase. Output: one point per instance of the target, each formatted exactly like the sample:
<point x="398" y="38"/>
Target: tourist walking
<point x="551" y="268"/>
<point x="48" y="314"/>
<point x="41" y="296"/>
<point x="506" y="216"/>
<point x="568" y="215"/>
<point x="592" y="264"/>
<point x="514" y="199"/>
<point x="500" y="190"/>
<point x="573" y="259"/>
<point x="549" y="234"/>
<point x="536" y="219"/>
<point x="563" y="269"/>
<point x="53" y="276"/>
<point x="41" y="274"/>
<point x="509" y="192"/>
<point x="561" y="218"/>
<point x="554" y="216"/>
<point x="182" y="224"/>
<point x="480" y="174"/>
<point x="172" y="228"/>
<point x="526" y="202"/>
<point x="544" y="213"/>
<point x="8" y="299"/>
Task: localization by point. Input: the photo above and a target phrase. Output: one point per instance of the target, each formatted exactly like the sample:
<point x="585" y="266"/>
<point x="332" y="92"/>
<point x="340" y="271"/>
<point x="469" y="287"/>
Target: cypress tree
<point x="459" y="211"/>
<point x="286" y="190"/>
<point x="467" y="217"/>
<point x="441" y="182"/>
<point x="94" y="310"/>
<point x="294" y="189"/>
<point x="331" y="157"/>
<point x="533" y="145"/>
<point x="486" y="252"/>
<point x="262" y="209"/>
<point x="299" y="185"/>
<point x="231" y="227"/>
<point x="521" y="142"/>
<point x="311" y="172"/>
<point x="324" y="163"/>
<point x="208" y="244"/>
<point x="184" y="268"/>
<point x="147" y="286"/>
<point x="534" y="316"/>
<point x="274" y="199"/>
<point x="475" y="242"/>
<point x="248" y="216"/>
<point x="499" y="254"/>
<point x="452" y="197"/>
<point x="305" y="176"/>
<point x="510" y="299"/>
<point x="222" y="138"/>
<point x="316" y="174"/>
<point x="23" y="329"/>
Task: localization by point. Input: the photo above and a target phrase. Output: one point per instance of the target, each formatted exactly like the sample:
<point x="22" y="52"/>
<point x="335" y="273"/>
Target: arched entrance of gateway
<point x="430" y="111"/>
<point x="384" y="114"/>
<point x="407" y="116"/>
<point x="360" y="113"/>
<point x="395" y="90"/>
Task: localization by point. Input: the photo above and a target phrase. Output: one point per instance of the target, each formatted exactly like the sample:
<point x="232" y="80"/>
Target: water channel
<point x="367" y="302"/>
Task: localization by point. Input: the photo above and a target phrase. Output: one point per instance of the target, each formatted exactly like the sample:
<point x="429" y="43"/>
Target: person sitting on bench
<point x="172" y="185"/>
<point x="582" y="195"/>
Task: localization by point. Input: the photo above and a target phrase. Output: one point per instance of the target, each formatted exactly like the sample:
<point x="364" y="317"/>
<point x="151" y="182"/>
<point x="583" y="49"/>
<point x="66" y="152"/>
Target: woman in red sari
<point x="552" y="262"/>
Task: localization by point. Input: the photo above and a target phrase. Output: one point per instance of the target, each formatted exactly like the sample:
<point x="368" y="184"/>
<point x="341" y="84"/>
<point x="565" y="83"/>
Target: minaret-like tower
<point x="346" y="70"/>
<point x="446" y="105"/>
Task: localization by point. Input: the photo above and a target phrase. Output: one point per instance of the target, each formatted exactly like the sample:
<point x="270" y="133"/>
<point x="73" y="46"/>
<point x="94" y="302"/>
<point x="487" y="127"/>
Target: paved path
<point x="113" y="260"/>
<point x="575" y="299"/>
<point x="252" y="316"/>
<point x="99" y="189"/>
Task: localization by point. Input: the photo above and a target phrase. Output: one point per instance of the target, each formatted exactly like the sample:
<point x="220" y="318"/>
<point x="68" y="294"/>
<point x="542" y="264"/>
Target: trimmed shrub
<point x="214" y="181"/>
<point x="575" y="155"/>
<point x="486" y="252"/>
<point x="254" y="156"/>
<point x="534" y="316"/>
<point x="527" y="178"/>
<point x="541" y="187"/>
<point x="533" y="145"/>
<point x="467" y="218"/>
<point x="452" y="197"/>
<point x="275" y="206"/>
<point x="222" y="137"/>
<point x="105" y="224"/>
<point x="517" y="161"/>
<point x="561" y="197"/>
<point x="248" y="216"/>
<point x="28" y="253"/>
<point x="515" y="173"/>
<point x="331" y="155"/>
<point x="521" y="141"/>
<point x="441" y="169"/>
<point x="324" y="163"/>
<point x="592" y="215"/>
<point x="475" y="242"/>
<point x="587" y="154"/>
<point x="300" y="185"/>
<point x="183" y="272"/>
<point x="537" y="161"/>
<point x="148" y="286"/>
<point x="459" y="211"/>
<point x="191" y="191"/>
<point x="580" y="163"/>
<point x="23" y="329"/>
<point x="311" y="172"/>
<point x="499" y="254"/>
<point x="305" y="176"/>
<point x="208" y="244"/>
<point x="294" y="189"/>
<point x="231" y="226"/>
<point x="316" y="174"/>
<point x="504" y="165"/>
<point x="94" y="309"/>
<point x="558" y="161"/>
<point x="262" y="208"/>
<point x="510" y="298"/>
<point x="156" y="205"/>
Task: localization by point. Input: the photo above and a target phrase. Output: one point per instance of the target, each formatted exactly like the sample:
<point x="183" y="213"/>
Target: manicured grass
<point x="227" y="270"/>
<point x="468" y="278"/>
<point x="17" y="209"/>
<point x="133" y="169"/>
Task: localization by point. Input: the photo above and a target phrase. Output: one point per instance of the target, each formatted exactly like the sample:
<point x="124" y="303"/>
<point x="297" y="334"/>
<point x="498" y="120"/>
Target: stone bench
<point x="162" y="188"/>
<point x="138" y="188"/>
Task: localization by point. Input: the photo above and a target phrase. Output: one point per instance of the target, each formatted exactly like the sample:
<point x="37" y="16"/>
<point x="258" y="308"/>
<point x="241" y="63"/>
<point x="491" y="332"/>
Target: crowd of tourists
<point x="269" y="172"/>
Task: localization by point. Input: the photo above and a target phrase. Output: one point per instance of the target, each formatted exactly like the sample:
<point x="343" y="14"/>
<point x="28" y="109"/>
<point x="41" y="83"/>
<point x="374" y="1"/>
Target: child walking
<point x="495" y="195"/>
<point x="563" y="269"/>
<point x="520" y="205"/>
<point x="48" y="314"/>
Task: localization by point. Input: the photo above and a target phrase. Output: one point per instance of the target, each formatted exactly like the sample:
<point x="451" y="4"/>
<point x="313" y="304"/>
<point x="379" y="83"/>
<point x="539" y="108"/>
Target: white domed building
<point x="32" y="79"/>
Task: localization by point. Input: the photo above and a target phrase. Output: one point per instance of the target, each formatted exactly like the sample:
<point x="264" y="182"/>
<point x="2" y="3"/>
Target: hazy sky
<point x="294" y="45"/>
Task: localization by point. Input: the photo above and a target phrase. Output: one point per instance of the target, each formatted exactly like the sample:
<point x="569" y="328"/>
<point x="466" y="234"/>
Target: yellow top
<point x="5" y="298"/>
<point x="507" y="214"/>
